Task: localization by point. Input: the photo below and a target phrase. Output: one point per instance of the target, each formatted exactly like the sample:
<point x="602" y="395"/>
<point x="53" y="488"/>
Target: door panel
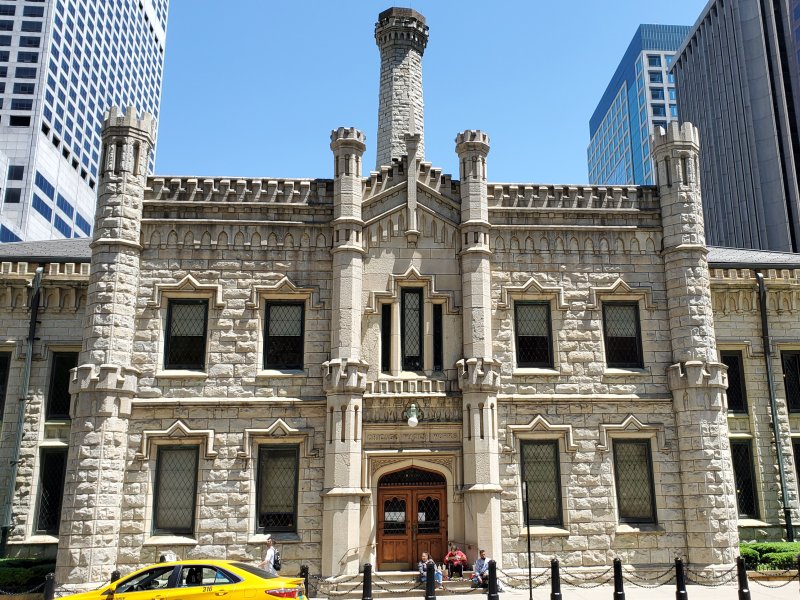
<point x="394" y="531"/>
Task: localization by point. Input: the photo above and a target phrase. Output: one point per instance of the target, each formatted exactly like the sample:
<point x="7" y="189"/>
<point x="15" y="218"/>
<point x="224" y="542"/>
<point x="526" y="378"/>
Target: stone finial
<point x="674" y="133"/>
<point x="114" y="117"/>
<point x="401" y="27"/>
<point x="472" y="140"/>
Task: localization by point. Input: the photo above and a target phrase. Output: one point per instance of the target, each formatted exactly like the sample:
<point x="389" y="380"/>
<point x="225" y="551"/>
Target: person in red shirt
<point x="455" y="561"/>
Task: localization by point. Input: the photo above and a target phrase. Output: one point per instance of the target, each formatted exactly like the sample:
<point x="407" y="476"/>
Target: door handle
<point x="221" y="593"/>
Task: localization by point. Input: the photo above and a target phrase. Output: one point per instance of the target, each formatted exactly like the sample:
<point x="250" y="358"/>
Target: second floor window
<point x="186" y="334"/>
<point x="737" y="395"/>
<point x="283" y="339"/>
<point x="411" y="326"/>
<point x="623" y="339"/>
<point x="791" y="378"/>
<point x="58" y="399"/>
<point x="533" y="335"/>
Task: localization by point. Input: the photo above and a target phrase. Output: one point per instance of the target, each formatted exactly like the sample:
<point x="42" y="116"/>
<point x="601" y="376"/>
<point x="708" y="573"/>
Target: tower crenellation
<point x="402" y="35"/>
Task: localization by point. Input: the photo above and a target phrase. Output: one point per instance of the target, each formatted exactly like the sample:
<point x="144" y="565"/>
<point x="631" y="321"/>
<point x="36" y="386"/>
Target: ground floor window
<point x="278" y="468"/>
<point x="175" y="490"/>
<point x="52" y="469"/>
<point x="744" y="477"/>
<point x="633" y="475"/>
<point x="541" y="474"/>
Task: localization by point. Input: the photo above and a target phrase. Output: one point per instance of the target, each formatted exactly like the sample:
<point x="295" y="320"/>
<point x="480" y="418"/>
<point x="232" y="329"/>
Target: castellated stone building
<point x="230" y="358"/>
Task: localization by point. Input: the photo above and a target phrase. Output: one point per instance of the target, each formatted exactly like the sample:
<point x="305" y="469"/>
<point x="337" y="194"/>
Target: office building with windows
<point x="738" y="80"/>
<point x="639" y="97"/>
<point x="367" y="366"/>
<point x="63" y="63"/>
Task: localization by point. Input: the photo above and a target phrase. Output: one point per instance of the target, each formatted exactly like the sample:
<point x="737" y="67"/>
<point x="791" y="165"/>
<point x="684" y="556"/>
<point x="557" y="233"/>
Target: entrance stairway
<point x="387" y="584"/>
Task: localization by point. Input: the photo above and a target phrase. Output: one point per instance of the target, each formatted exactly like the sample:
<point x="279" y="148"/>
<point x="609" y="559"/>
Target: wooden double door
<point x="412" y="518"/>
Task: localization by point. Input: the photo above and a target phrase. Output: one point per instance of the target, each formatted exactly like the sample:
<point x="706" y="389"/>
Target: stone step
<point x="391" y="583"/>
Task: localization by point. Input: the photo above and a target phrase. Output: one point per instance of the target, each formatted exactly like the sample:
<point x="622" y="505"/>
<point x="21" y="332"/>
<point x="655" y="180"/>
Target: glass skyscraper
<point x="63" y="63"/>
<point x="640" y="97"/>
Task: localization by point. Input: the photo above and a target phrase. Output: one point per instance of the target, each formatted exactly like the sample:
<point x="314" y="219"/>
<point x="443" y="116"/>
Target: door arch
<point x="412" y="517"/>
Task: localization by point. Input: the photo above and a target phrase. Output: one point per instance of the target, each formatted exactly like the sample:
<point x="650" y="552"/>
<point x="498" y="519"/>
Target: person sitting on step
<point x="455" y="561"/>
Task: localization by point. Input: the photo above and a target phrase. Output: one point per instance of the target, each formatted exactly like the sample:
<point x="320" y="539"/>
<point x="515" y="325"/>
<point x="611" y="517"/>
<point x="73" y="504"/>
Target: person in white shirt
<point x="480" y="577"/>
<point x="269" y="557"/>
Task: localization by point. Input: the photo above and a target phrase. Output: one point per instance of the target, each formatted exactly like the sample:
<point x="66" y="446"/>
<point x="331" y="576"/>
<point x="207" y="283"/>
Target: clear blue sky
<point x="252" y="88"/>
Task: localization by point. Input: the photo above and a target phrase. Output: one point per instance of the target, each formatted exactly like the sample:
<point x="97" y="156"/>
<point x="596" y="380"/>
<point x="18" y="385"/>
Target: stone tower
<point x="345" y="374"/>
<point x="478" y="372"/>
<point x="401" y="35"/>
<point x="697" y="379"/>
<point x="104" y="383"/>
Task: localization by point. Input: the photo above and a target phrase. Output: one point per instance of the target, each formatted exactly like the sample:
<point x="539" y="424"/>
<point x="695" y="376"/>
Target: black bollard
<point x="741" y="573"/>
<point x="555" y="580"/>
<point x="49" y="586"/>
<point x="430" y="580"/>
<point x="304" y="575"/>
<point x="366" y="592"/>
<point x="493" y="595"/>
<point x="680" y="581"/>
<point x="619" y="593"/>
<point x="115" y="574"/>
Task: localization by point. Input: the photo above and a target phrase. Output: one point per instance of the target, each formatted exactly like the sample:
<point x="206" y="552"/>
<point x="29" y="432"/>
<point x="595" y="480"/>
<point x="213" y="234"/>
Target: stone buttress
<point x="697" y="379"/>
<point x="345" y="374"/>
<point x="104" y="382"/>
<point x="401" y="35"/>
<point x="478" y="372"/>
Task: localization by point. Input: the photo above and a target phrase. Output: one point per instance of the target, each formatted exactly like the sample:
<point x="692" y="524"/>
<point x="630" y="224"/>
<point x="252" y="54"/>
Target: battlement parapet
<point x="114" y="117"/>
<point x="683" y="133"/>
<point x="472" y="140"/>
<point x="573" y="197"/>
<point x="747" y="277"/>
<point x="349" y="135"/>
<point x="401" y="27"/>
<point x="281" y="191"/>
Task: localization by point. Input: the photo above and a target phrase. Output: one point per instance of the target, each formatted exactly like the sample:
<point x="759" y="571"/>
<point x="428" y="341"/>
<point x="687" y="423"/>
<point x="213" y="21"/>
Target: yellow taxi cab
<point x="199" y="580"/>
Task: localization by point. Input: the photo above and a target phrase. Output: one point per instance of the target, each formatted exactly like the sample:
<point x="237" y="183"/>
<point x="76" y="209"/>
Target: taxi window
<point x="152" y="579"/>
<point x="254" y="570"/>
<point x="193" y="575"/>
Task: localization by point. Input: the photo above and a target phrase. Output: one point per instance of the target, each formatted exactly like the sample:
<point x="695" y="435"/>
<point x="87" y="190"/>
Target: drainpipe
<point x="36" y="286"/>
<point x="762" y="302"/>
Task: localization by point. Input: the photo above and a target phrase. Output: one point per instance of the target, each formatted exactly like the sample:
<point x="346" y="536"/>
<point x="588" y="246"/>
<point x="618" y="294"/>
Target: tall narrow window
<point x="58" y="399"/>
<point x="796" y="445"/>
<point x="540" y="471"/>
<point x="52" y="468"/>
<point x="411" y="311"/>
<point x="791" y="378"/>
<point x="283" y="339"/>
<point x="438" y="338"/>
<point x="386" y="337"/>
<point x="278" y="468"/>
<point x="186" y="338"/>
<point x="5" y="367"/>
<point x="533" y="334"/>
<point x="175" y="490"/>
<point x="744" y="478"/>
<point x="623" y="340"/>
<point x="633" y="475"/>
<point x="737" y="394"/>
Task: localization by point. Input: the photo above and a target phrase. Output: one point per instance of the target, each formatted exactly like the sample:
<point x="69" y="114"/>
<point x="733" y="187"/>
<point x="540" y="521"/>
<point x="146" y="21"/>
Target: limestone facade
<point x="400" y="286"/>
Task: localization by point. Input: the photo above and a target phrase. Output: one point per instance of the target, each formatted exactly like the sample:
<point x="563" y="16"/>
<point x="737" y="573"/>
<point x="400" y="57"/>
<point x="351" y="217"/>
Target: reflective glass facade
<point x="640" y="96"/>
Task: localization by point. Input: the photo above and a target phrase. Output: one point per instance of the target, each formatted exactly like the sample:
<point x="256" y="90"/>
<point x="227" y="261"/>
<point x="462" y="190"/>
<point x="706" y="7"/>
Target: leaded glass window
<point x="386" y="337"/>
<point x="58" y="399"/>
<point x="633" y="474"/>
<point x="413" y="340"/>
<point x="737" y="395"/>
<point x="5" y="367"/>
<point x="796" y="445"/>
<point x="623" y="340"/>
<point x="278" y="468"/>
<point x="438" y="338"/>
<point x="791" y="378"/>
<point x="533" y="334"/>
<point x="176" y="490"/>
<point x="283" y="339"/>
<point x="541" y="473"/>
<point x="186" y="334"/>
<point x="744" y="478"/>
<point x="52" y="470"/>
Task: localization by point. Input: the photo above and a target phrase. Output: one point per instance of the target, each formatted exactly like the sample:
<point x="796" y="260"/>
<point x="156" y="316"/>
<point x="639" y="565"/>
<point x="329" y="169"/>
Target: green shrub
<point x="24" y="573"/>
<point x="764" y="548"/>
<point x="750" y="556"/>
<point x="780" y="560"/>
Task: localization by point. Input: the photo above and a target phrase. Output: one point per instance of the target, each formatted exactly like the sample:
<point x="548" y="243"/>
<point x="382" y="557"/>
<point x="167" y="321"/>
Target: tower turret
<point x="401" y="35"/>
<point x="696" y="379"/>
<point x="105" y="381"/>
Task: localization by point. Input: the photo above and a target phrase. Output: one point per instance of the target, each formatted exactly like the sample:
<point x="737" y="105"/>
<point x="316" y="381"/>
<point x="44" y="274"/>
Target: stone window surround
<point x="629" y="296"/>
<point x="746" y="351"/>
<point x="540" y="429"/>
<point x="188" y="288"/>
<point x="755" y="451"/>
<point x="556" y="324"/>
